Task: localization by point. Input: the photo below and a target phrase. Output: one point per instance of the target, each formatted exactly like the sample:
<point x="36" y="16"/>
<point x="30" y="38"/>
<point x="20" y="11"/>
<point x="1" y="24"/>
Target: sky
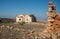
<point x="11" y="8"/>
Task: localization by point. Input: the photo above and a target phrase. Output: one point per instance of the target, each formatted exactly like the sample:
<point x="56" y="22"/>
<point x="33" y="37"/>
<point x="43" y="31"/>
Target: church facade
<point x="25" y="18"/>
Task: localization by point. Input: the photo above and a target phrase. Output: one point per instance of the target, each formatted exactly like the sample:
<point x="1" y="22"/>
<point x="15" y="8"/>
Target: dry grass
<point x="16" y="31"/>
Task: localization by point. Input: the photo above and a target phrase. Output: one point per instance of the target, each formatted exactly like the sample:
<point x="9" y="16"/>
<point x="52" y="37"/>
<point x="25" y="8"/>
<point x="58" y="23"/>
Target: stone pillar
<point x="54" y="36"/>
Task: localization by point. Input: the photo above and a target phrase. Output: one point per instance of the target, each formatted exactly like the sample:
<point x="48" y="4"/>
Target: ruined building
<point x="53" y="20"/>
<point x="53" y="25"/>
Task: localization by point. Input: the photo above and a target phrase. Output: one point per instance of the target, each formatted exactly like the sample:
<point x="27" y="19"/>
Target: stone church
<point x="25" y="18"/>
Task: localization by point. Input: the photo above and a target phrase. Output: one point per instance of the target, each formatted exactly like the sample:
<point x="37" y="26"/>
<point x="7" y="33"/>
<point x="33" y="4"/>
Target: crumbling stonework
<point x="53" y="21"/>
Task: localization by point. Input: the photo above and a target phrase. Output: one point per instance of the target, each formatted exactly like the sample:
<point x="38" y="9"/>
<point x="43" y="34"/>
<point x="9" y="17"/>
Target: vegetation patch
<point x="7" y="20"/>
<point x="21" y="23"/>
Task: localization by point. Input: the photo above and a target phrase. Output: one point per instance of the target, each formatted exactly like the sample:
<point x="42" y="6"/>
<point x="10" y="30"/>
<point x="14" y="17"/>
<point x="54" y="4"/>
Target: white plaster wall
<point x="24" y="18"/>
<point x="17" y="19"/>
<point x="29" y="18"/>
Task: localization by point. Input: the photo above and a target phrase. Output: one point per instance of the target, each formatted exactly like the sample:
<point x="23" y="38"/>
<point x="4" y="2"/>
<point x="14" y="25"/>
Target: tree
<point x="0" y="21"/>
<point x="33" y="18"/>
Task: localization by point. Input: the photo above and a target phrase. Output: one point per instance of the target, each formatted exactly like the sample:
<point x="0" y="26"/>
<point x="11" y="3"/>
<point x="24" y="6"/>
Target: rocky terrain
<point x="26" y="31"/>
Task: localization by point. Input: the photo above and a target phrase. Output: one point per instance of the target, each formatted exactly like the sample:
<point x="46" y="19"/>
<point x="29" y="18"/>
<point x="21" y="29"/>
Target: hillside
<point x="6" y="20"/>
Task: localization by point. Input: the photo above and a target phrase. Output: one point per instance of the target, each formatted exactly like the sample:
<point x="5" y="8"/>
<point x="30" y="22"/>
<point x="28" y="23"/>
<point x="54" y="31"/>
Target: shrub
<point x="0" y="21"/>
<point x="21" y="23"/>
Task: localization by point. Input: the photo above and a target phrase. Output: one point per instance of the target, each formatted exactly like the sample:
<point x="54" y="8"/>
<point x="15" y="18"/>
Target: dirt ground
<point x="17" y="31"/>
